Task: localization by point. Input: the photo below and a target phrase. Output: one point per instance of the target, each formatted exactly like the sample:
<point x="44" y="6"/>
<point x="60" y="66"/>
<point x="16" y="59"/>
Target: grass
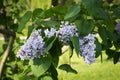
<point x="97" y="71"/>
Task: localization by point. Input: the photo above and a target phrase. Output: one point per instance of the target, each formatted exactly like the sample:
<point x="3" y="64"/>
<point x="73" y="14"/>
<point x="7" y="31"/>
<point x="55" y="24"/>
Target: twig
<point x="7" y="32"/>
<point x="6" y="53"/>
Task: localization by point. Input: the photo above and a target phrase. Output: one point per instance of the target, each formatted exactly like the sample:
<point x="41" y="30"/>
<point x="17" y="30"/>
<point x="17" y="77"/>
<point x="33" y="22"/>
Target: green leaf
<point x="30" y="29"/>
<point x="60" y="9"/>
<point x="54" y="74"/>
<point x="98" y="48"/>
<point x="27" y="69"/>
<point x="116" y="44"/>
<point x="109" y="24"/>
<point x="110" y="53"/>
<point x="67" y="68"/>
<point x="116" y="57"/>
<point x="46" y="78"/>
<point x="103" y="34"/>
<point x="94" y="9"/>
<point x="75" y="42"/>
<point x="21" y="76"/>
<point x="36" y="13"/>
<point x="112" y="36"/>
<point x="47" y="13"/>
<point x="70" y="51"/>
<point x="84" y="26"/>
<point x="40" y="65"/>
<point x="73" y="11"/>
<point x="117" y="11"/>
<point x="55" y="52"/>
<point x="50" y="23"/>
<point x="50" y="43"/>
<point x="24" y="20"/>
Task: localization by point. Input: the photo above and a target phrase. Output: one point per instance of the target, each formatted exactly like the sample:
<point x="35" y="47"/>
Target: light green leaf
<point x="24" y="20"/>
<point x="40" y="65"/>
<point x="73" y="11"/>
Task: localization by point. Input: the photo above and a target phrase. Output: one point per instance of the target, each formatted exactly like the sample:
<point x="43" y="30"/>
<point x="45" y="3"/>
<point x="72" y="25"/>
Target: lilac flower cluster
<point x="66" y="30"/>
<point x="87" y="48"/>
<point x="33" y="48"/>
<point x="35" y="45"/>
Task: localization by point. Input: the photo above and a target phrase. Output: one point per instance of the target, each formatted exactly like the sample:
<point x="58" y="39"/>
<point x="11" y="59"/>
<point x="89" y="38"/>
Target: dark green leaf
<point x="67" y="68"/>
<point x="117" y="44"/>
<point x="52" y="70"/>
<point x="30" y="29"/>
<point x="24" y="20"/>
<point x="94" y="8"/>
<point x="75" y="42"/>
<point x="70" y="51"/>
<point x="40" y="65"/>
<point x="84" y="26"/>
<point x="117" y="11"/>
<point x="110" y="53"/>
<point x="50" y="43"/>
<point x="112" y="36"/>
<point x="103" y="34"/>
<point x="109" y="24"/>
<point x="36" y="13"/>
<point x="55" y="52"/>
<point x="73" y="11"/>
<point x="116" y="57"/>
<point x="47" y="13"/>
<point x="98" y="48"/>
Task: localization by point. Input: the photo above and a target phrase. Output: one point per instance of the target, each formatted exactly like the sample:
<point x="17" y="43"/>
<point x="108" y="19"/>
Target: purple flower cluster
<point x="87" y="48"/>
<point x="35" y="45"/>
<point x="66" y="30"/>
<point x="33" y="48"/>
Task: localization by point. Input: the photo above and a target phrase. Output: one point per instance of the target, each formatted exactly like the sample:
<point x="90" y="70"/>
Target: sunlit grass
<point x="97" y="71"/>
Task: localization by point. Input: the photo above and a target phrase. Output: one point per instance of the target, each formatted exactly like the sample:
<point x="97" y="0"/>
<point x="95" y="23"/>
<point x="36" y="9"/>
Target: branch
<point x="7" y="32"/>
<point x="6" y="53"/>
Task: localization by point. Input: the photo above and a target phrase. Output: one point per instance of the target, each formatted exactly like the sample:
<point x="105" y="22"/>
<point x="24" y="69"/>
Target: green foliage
<point x="84" y="26"/>
<point x="98" y="48"/>
<point x="117" y="11"/>
<point x="67" y="68"/>
<point x="103" y="34"/>
<point x="24" y="20"/>
<point x="40" y="65"/>
<point x="55" y="52"/>
<point x="74" y="10"/>
<point x="75" y="42"/>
